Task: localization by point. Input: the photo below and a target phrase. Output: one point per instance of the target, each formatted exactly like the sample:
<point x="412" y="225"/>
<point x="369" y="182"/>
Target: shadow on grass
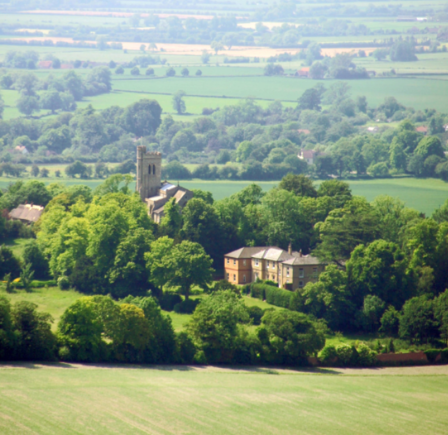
<point x="169" y="367"/>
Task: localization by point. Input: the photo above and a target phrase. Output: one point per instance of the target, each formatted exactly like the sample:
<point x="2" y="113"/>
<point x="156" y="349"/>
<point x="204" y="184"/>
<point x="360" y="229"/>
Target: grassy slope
<point x="68" y="399"/>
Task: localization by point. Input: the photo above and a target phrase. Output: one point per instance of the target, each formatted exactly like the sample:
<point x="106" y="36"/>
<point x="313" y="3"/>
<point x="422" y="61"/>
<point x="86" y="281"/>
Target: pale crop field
<point x="81" y="399"/>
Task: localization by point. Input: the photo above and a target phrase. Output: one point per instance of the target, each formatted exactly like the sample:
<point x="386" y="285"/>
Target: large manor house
<point x="290" y="270"/>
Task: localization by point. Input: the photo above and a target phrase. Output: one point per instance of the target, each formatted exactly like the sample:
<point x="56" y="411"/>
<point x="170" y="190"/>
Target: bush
<point x="366" y="356"/>
<point x="329" y="355"/>
<point x="432" y="354"/>
<point x="186" y="307"/>
<point x="257" y="291"/>
<point x="277" y="296"/>
<point x="168" y="300"/>
<point x="344" y="354"/>
<point x="63" y="283"/>
<point x="255" y="313"/>
<point x="186" y="349"/>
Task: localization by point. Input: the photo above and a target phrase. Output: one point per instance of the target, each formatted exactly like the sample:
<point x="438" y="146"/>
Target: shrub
<point x="366" y="356"/>
<point x="329" y="355"/>
<point x="277" y="296"/>
<point x="344" y="354"/>
<point x="255" y="313"/>
<point x="257" y="291"/>
<point x="168" y="300"/>
<point x="186" y="307"/>
<point x="186" y="349"/>
<point x="63" y="283"/>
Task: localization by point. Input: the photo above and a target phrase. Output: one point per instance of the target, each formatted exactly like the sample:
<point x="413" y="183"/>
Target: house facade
<point x="290" y="270"/>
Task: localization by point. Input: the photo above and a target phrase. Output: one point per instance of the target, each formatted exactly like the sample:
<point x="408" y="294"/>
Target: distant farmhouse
<point x="26" y="213"/>
<point x="290" y="270"/>
<point x="152" y="191"/>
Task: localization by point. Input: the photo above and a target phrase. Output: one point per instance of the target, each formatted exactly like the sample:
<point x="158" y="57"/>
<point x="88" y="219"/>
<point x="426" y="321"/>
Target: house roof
<point x="273" y="254"/>
<point x="422" y="129"/>
<point x="298" y="259"/>
<point x="246" y="252"/>
<point x="27" y="212"/>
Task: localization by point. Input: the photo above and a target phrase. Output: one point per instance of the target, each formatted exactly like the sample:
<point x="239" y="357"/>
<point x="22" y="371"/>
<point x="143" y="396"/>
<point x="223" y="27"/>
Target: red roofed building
<point x="308" y="155"/>
<point x="45" y="64"/>
<point x="422" y="129"/>
<point x="304" y="72"/>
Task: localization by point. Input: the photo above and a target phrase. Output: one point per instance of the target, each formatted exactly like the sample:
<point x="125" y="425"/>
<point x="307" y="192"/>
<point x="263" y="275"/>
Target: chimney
<point x="290" y="248"/>
<point x="300" y="253"/>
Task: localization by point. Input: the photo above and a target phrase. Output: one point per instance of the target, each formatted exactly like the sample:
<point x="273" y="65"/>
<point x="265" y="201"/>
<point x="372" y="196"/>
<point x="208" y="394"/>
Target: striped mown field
<point x="74" y="399"/>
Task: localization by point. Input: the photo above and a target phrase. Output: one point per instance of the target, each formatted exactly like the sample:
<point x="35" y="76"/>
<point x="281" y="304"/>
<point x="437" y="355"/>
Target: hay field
<point x="81" y="399"/>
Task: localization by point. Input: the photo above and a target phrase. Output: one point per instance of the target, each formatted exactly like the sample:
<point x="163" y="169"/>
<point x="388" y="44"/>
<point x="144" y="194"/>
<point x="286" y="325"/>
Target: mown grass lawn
<point x="75" y="399"/>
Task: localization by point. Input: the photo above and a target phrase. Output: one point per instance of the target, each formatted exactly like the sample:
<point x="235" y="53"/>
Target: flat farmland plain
<point x="73" y="399"/>
<point x="418" y="93"/>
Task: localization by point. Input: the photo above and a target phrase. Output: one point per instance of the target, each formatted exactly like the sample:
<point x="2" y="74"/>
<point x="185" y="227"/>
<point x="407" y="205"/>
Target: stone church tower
<point x="149" y="172"/>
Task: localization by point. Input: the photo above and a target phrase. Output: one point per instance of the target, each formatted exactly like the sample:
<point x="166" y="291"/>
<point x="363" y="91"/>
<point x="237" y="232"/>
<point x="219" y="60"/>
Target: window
<point x="234" y="261"/>
<point x="154" y="169"/>
<point x="244" y="278"/>
<point x="273" y="277"/>
<point x="149" y="170"/>
<point x="256" y="262"/>
<point x="287" y="271"/>
<point x="244" y="262"/>
<point x="228" y="261"/>
<point x="300" y="283"/>
<point x="234" y="277"/>
<point x="267" y="264"/>
<point x="227" y="276"/>
<point x="256" y="276"/>
<point x="315" y="272"/>
<point x="301" y="273"/>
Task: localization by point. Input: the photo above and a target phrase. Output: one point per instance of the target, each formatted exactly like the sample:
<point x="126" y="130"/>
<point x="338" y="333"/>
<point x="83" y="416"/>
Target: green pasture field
<point x="68" y="399"/>
<point x="424" y="195"/>
<point x="418" y="93"/>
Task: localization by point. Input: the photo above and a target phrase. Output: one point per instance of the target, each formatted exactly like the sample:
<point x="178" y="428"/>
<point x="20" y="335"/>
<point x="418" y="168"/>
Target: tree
<point x="35" y="341"/>
<point x="170" y="72"/>
<point x="310" y="100"/>
<point x="185" y="72"/>
<point x="80" y="331"/>
<point x="142" y="118"/>
<point x="78" y="168"/>
<point x="273" y="70"/>
<point x="300" y="185"/>
<point x="135" y="71"/>
<point x="345" y="228"/>
<point x="34" y="256"/>
<point x="318" y="71"/>
<point x="214" y="326"/>
<point x="292" y="336"/>
<point x="390" y="322"/>
<point x="149" y="72"/>
<point x="35" y="171"/>
<point x="2" y="106"/>
<point x="182" y="266"/>
<point x="417" y="323"/>
<point x="178" y="102"/>
<point x="119" y="70"/>
<point x="27" y="104"/>
<point x="216" y="46"/>
<point x="56" y="63"/>
<point x="403" y="51"/>
<point x="51" y="100"/>
<point x="428" y="146"/>
<point x="380" y="53"/>
<point x="8" y="263"/>
<point x="26" y="277"/>
<point x="198" y="73"/>
<point x="205" y="57"/>
<point x="172" y="220"/>
<point x="335" y="189"/>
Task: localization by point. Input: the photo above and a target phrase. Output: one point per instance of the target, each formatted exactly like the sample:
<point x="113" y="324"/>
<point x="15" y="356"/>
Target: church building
<point x="150" y="187"/>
